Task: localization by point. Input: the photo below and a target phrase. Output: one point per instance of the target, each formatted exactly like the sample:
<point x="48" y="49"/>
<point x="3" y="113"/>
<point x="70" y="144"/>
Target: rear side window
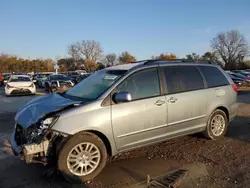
<point x="213" y="76"/>
<point x="182" y="79"/>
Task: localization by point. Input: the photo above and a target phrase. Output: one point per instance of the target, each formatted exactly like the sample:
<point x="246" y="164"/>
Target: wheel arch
<point x="103" y="137"/>
<point x="224" y="109"/>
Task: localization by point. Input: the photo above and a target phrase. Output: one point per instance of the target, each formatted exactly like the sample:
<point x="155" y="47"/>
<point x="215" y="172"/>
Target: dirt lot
<point x="223" y="163"/>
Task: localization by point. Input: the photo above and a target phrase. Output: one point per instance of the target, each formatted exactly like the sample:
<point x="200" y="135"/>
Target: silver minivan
<point x="120" y="108"/>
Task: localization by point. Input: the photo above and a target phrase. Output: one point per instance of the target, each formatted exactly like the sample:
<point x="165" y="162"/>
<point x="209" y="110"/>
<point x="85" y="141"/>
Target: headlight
<point x="48" y="122"/>
<point x="32" y="85"/>
<point x="8" y="86"/>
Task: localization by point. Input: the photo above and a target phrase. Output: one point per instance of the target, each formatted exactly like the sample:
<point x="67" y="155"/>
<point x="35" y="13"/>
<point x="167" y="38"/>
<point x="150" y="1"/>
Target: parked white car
<point x="19" y="85"/>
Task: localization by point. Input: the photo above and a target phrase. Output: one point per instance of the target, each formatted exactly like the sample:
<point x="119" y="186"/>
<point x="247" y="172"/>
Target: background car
<point x="1" y="79"/>
<point x="73" y="75"/>
<point x="238" y="81"/>
<point x="6" y="77"/>
<point x="41" y="79"/>
<point x="19" y="85"/>
<point x="82" y="77"/>
<point x="58" y="83"/>
<point x="239" y="75"/>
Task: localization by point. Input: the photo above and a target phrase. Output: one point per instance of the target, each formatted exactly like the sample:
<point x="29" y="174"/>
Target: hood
<point x="20" y="84"/>
<point x="37" y="108"/>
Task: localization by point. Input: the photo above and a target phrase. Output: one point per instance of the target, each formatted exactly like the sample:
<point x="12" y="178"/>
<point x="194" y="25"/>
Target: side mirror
<point x="122" y="97"/>
<point x="34" y="81"/>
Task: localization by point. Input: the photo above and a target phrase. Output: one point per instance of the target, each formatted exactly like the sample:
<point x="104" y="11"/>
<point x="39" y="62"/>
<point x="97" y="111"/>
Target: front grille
<point x="19" y="92"/>
<point x="20" y="135"/>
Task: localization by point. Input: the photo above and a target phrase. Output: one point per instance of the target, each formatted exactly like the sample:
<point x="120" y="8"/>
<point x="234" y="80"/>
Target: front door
<point x="144" y="118"/>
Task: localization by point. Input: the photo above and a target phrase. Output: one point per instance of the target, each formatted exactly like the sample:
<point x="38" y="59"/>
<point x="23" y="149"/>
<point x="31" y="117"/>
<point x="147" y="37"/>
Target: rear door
<point x="186" y="99"/>
<point x="219" y="89"/>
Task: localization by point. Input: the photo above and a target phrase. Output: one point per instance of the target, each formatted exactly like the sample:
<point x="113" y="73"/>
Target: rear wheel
<point x="48" y="88"/>
<point x="82" y="157"/>
<point x="217" y="125"/>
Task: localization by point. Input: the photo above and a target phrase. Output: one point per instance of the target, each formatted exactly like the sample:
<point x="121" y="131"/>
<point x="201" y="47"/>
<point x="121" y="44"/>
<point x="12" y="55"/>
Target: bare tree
<point x="231" y="46"/>
<point x="73" y="51"/>
<point x="89" y="49"/>
<point x="111" y="59"/>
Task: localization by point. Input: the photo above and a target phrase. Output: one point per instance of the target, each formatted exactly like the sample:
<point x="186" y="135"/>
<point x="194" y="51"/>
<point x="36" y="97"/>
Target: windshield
<point x="59" y="77"/>
<point x="19" y="79"/>
<point x="93" y="86"/>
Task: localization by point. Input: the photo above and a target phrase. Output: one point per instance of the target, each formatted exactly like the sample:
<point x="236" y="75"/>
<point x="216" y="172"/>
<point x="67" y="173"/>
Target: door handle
<point x="159" y="102"/>
<point x="172" y="100"/>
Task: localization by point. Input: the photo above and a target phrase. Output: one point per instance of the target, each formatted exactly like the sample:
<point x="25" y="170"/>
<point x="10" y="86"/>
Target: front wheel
<point x="82" y="157"/>
<point x="217" y="125"/>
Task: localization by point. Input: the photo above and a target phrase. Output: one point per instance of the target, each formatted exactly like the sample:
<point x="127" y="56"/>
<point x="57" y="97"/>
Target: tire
<point x="67" y="148"/>
<point x="47" y="88"/>
<point x="210" y="131"/>
<point x="39" y="84"/>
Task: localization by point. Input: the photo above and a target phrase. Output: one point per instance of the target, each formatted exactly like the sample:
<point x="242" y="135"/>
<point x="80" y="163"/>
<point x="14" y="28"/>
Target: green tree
<point x="193" y="56"/>
<point x="165" y="56"/>
<point x="126" y="57"/>
<point x="100" y="66"/>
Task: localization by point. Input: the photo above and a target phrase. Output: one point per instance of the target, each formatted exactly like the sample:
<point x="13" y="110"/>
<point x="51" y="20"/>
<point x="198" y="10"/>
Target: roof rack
<point x="175" y="60"/>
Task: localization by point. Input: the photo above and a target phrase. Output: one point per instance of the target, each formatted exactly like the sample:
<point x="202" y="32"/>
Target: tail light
<point x="235" y="88"/>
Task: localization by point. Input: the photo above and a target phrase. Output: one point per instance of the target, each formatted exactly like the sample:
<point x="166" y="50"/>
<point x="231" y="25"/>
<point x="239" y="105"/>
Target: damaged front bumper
<point x="31" y="153"/>
<point x="40" y="151"/>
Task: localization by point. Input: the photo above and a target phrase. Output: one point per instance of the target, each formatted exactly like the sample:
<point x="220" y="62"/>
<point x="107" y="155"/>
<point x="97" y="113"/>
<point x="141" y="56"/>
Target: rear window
<point x="19" y="79"/>
<point x="213" y="76"/>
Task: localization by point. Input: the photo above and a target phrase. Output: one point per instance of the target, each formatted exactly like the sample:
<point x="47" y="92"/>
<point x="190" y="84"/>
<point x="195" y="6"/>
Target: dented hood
<point x="37" y="108"/>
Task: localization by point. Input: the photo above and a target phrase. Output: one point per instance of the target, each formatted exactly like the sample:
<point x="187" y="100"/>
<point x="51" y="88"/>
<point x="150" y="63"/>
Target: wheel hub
<point x="83" y="159"/>
<point x="218" y="124"/>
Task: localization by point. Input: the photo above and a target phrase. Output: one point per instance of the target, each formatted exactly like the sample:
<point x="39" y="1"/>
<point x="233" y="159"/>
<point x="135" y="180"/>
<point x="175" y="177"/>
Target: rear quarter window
<point x="213" y="76"/>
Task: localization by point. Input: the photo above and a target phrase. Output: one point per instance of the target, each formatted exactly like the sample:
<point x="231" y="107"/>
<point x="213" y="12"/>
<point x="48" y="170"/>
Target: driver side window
<point x="142" y="84"/>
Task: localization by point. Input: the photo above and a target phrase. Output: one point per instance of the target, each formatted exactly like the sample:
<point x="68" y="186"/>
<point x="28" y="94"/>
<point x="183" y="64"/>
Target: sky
<point x="45" y="28"/>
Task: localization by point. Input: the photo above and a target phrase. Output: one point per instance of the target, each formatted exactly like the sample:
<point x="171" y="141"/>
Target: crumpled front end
<point x="33" y="138"/>
<point x="35" y="144"/>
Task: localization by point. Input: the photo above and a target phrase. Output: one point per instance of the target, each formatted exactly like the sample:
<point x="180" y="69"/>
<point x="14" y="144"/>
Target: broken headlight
<point x="42" y="129"/>
<point x="48" y="123"/>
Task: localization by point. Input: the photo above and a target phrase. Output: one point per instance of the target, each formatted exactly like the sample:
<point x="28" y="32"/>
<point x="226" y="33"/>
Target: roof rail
<point x="176" y="60"/>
